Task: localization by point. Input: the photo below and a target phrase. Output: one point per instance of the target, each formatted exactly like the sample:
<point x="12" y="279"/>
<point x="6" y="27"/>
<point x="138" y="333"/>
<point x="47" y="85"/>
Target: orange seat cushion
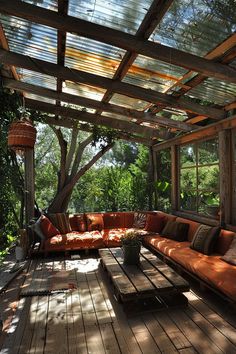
<point x="111" y="237"/>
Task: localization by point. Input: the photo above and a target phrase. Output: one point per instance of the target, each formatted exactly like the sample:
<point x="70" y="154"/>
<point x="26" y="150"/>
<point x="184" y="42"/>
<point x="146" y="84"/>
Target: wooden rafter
<point x="98" y="81"/>
<point x="89" y="103"/>
<point x="4" y="45"/>
<point x="69" y="123"/>
<point x="118" y="39"/>
<point x="96" y="119"/>
<point x="149" y="23"/>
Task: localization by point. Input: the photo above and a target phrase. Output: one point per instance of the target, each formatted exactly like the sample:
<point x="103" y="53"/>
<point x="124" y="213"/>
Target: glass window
<point x="163" y="183"/>
<point x="199" y="178"/>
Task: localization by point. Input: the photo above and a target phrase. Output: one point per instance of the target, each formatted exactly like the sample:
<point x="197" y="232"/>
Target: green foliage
<point x="11" y="187"/>
<point x="163" y="183"/>
<point x="103" y="136"/>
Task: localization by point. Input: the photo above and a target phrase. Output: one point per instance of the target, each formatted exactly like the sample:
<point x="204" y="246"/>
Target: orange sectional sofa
<point x="98" y="230"/>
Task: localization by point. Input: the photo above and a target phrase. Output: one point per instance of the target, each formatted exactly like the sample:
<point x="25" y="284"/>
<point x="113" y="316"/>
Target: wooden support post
<point x="29" y="185"/>
<point x="225" y="157"/>
<point x="154" y="159"/>
<point x="174" y="178"/>
<point x="150" y="179"/>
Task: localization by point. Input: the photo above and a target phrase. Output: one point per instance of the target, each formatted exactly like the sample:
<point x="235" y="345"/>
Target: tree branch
<point x="71" y="152"/>
<point x="63" y="147"/>
<point x="78" y="155"/>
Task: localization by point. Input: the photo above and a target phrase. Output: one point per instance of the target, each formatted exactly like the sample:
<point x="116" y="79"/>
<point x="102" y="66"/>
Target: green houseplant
<point x="131" y="245"/>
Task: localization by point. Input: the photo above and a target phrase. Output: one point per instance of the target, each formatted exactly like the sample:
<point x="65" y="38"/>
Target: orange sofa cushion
<point x="224" y="241"/>
<point x="48" y="229"/>
<point x="111" y="237"/>
<point x="113" y="220"/>
<point x="155" y="223"/>
<point x="74" y="240"/>
<point x="94" y="221"/>
<point x="78" y="222"/>
<point x="128" y="219"/>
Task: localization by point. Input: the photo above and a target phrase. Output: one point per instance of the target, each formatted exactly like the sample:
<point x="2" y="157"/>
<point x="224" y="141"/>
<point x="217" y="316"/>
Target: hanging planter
<point x="21" y="135"/>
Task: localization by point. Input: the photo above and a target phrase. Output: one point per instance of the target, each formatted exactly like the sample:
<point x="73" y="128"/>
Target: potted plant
<point x="131" y="245"/>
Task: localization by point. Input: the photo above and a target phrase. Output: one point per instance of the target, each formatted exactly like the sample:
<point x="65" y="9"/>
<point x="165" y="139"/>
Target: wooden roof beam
<point x="87" y="102"/>
<point x="69" y="123"/>
<point x="154" y="15"/>
<point x="4" y="45"/>
<point x="117" y="38"/>
<point x="96" y="119"/>
<point x="123" y="88"/>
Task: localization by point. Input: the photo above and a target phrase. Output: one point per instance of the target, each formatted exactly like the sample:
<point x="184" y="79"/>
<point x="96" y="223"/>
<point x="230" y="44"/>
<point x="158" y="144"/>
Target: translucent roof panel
<point x="116" y="116"/>
<point x="128" y="102"/>
<point x="78" y="107"/>
<point x="122" y="15"/>
<point x="35" y="78"/>
<point x="153" y="74"/>
<point x="92" y="92"/>
<point x="92" y="56"/>
<point x="196" y="26"/>
<point x="47" y="4"/>
<point x="40" y="98"/>
<point x="214" y="91"/>
<point x="31" y="39"/>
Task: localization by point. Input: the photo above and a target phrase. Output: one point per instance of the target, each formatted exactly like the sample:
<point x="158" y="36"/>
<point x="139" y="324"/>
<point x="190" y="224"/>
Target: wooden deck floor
<point x="89" y="320"/>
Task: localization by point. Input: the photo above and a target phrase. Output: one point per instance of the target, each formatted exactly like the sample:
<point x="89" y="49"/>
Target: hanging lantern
<point x="21" y="136"/>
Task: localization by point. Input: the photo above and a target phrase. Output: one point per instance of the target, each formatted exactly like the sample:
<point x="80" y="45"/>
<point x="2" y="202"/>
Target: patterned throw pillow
<point x="155" y="223"/>
<point x="48" y="229"/>
<point x="139" y="220"/>
<point x="230" y="255"/>
<point x="61" y="221"/>
<point x="175" y="230"/>
<point x="95" y="222"/>
<point x="205" y="238"/>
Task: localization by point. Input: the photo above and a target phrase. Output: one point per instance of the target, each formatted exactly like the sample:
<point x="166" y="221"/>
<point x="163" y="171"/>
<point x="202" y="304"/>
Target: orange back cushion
<point x="95" y="221"/>
<point x="48" y="229"/>
<point x="78" y="222"/>
<point x="155" y="223"/>
<point x="224" y="241"/>
<point x="113" y="220"/>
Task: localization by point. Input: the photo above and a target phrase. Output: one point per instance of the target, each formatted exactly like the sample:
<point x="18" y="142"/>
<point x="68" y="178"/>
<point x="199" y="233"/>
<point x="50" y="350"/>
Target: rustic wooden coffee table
<point x="150" y="283"/>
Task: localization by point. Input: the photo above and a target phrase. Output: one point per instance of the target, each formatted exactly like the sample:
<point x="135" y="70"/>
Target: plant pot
<point x="131" y="254"/>
<point x="19" y="253"/>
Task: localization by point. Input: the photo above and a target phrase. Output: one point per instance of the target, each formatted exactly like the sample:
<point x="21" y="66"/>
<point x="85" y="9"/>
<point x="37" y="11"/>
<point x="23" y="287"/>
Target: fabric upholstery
<point x="205" y="239"/>
<point x="78" y="222"/>
<point x="155" y="223"/>
<point x="176" y="231"/>
<point x="193" y="226"/>
<point x="48" y="229"/>
<point x="224" y="241"/>
<point x="74" y="241"/>
<point x="61" y="221"/>
<point x="230" y="255"/>
<point x="128" y="219"/>
<point x="113" y="220"/>
<point x="111" y="237"/>
<point x="94" y="222"/>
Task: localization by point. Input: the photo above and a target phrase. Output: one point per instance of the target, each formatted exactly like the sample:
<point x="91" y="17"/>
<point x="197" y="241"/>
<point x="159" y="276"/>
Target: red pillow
<point x="78" y="222"/>
<point x="47" y="227"/>
<point x="95" y="222"/>
<point x="155" y="223"/>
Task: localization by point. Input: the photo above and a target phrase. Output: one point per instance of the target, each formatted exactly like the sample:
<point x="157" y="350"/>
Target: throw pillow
<point x="139" y="220"/>
<point x="95" y="222"/>
<point x="48" y="229"/>
<point x="230" y="255"/>
<point x="78" y="222"/>
<point x="61" y="221"/>
<point x="155" y="223"/>
<point x="205" y="238"/>
<point x="177" y="231"/>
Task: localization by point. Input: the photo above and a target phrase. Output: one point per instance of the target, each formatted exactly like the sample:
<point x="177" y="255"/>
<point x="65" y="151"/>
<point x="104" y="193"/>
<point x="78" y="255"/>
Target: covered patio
<point x="157" y="73"/>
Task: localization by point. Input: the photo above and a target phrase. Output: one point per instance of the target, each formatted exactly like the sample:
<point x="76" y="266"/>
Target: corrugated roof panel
<point x="214" y="91"/>
<point x="128" y="102"/>
<point x="78" y="107"/>
<point x="31" y="39"/>
<point x="92" y="92"/>
<point x="196" y="26"/>
<point x="47" y="4"/>
<point x="39" y="98"/>
<point x="116" y="116"/>
<point x="92" y="56"/>
<point x="153" y="74"/>
<point x="122" y="15"/>
<point x="38" y="79"/>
